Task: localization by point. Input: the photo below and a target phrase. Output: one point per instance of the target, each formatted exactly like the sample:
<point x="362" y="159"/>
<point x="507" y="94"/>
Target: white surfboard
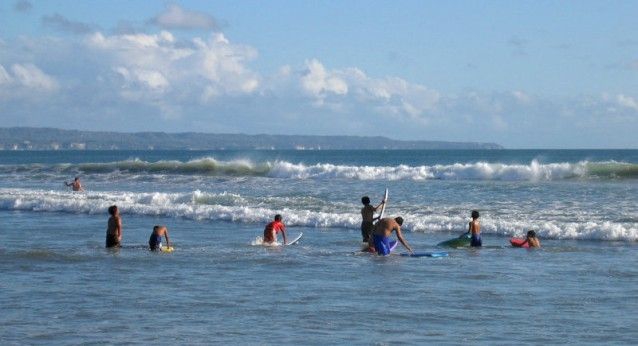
<point x="385" y="198"/>
<point x="295" y="239"/>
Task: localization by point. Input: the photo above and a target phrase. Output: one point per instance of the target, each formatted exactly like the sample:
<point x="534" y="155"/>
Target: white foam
<point x="235" y="208"/>
<point x="534" y="171"/>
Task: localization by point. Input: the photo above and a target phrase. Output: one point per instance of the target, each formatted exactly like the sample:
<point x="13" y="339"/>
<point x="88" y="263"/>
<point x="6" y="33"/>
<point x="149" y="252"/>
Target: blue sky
<point x="524" y="74"/>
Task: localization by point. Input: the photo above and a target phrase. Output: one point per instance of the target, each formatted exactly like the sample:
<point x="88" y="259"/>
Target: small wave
<point x="46" y="255"/>
<point x="223" y="206"/>
<point x="204" y="166"/>
<point x="612" y="170"/>
<point x="534" y="171"/>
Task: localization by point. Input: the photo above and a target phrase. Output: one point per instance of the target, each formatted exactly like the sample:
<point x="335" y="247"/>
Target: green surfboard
<point x="462" y="241"/>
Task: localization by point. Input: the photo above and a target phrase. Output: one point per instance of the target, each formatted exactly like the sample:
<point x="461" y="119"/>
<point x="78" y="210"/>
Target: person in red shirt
<point x="271" y="230"/>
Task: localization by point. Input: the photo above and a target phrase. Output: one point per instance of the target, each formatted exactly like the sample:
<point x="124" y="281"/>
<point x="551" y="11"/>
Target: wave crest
<point x="534" y="171"/>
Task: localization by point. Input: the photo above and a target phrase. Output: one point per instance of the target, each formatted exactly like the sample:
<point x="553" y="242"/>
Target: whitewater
<point x="209" y="166"/>
<point x="587" y="195"/>
<point x="61" y="286"/>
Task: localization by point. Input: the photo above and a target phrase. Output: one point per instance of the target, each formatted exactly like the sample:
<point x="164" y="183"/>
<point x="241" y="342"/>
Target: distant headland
<point x="31" y="138"/>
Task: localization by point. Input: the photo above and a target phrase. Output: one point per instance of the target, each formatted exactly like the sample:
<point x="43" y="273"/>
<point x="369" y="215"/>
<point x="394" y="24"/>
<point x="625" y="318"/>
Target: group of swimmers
<point x="114" y="225"/>
<point x="114" y="232"/>
<point x="376" y="235"/>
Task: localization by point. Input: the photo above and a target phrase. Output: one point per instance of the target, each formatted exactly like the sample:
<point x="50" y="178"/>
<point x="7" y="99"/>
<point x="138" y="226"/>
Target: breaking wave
<point x="534" y="171"/>
<point x="235" y="208"/>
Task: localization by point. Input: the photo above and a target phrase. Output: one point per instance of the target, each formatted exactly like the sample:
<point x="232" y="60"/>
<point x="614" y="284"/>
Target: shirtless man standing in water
<point x="114" y="228"/>
<point x="76" y="185"/>
<point x="474" y="229"/>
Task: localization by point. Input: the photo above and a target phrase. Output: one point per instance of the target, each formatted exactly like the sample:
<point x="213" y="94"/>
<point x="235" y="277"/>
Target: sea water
<point x="60" y="285"/>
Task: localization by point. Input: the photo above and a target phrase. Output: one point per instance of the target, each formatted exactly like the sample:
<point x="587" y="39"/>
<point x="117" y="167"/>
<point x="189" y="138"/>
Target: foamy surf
<point x="232" y="207"/>
<point x="259" y="241"/>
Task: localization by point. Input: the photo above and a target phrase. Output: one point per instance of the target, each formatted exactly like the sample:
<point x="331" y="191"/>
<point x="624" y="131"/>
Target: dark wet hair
<point x="399" y="220"/>
<point x="531" y="234"/>
<point x="278" y="217"/>
<point x="77" y="178"/>
<point x="112" y="209"/>
<point x="475" y="214"/>
<point x="365" y="200"/>
<point x="156" y="227"/>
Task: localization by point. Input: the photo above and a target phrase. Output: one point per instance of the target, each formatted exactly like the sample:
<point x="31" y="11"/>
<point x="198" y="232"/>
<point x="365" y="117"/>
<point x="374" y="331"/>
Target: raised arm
<point x="375" y="209"/>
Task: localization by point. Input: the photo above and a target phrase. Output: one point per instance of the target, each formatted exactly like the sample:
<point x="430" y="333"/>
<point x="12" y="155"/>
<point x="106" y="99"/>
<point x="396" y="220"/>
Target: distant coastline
<point x="31" y="138"/>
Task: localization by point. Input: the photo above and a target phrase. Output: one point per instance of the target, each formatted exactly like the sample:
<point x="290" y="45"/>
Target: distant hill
<point x="28" y="138"/>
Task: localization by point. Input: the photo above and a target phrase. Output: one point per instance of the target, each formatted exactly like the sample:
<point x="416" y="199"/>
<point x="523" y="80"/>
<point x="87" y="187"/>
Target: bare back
<point x="114" y="226"/>
<point x="367" y="213"/>
<point x="385" y="227"/>
<point x="475" y="227"/>
<point x="77" y="186"/>
<point x="160" y="232"/>
<point x="533" y="242"/>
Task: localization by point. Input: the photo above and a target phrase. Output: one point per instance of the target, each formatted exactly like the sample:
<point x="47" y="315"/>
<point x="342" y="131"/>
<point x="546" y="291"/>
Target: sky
<point x="523" y="74"/>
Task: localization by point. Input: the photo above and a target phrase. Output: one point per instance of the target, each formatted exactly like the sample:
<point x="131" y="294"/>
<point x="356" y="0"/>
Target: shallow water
<point x="60" y="286"/>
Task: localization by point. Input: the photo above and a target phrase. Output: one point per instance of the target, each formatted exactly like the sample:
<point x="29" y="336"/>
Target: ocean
<point x="61" y="286"/>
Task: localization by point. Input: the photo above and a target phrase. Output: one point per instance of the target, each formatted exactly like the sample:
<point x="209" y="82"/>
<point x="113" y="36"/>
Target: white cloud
<point x="153" y="80"/>
<point x="627" y="102"/>
<point x="351" y="88"/>
<point x="224" y="65"/>
<point x="162" y="81"/>
<point x="5" y="78"/>
<point x="175" y="17"/>
<point x="27" y="76"/>
<point x="521" y="96"/>
<point x="197" y="70"/>
<point x="318" y="82"/>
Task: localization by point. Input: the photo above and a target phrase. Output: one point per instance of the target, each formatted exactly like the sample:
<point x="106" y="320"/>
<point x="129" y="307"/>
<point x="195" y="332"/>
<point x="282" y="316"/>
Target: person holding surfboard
<point x="381" y="235"/>
<point x="274" y="227"/>
<point x="155" y="241"/>
<point x="367" y="215"/>
<point x="531" y="241"/>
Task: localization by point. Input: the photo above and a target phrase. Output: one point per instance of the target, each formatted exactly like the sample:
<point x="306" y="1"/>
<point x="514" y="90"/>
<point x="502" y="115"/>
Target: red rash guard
<point x="277" y="226"/>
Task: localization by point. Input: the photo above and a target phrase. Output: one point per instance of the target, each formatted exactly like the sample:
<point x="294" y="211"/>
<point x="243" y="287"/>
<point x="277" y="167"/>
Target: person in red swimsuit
<point x="271" y="230"/>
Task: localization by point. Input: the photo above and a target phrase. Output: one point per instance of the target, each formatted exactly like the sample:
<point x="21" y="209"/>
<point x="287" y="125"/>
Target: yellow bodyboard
<point x="166" y="249"/>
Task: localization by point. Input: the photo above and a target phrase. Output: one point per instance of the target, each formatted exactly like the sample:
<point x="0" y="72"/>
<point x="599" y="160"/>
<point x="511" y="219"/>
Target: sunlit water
<point x="59" y="284"/>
